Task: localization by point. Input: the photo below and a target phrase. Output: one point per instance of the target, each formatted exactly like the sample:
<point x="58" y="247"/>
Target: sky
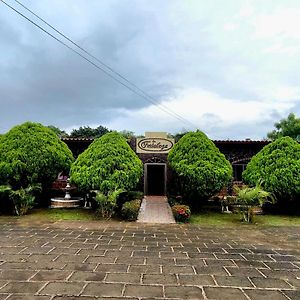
<point x="229" y="68"/>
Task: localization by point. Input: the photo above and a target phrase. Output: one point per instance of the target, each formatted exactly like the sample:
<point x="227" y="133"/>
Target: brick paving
<point x="98" y="260"/>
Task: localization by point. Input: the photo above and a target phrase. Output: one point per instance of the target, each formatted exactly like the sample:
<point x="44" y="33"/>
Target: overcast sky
<point x="231" y="68"/>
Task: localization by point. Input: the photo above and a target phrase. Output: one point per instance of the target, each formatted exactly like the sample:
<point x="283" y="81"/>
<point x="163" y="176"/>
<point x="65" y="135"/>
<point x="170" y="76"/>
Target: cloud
<point x="230" y="69"/>
<point x="220" y="118"/>
<point x="247" y="10"/>
<point x="282" y="23"/>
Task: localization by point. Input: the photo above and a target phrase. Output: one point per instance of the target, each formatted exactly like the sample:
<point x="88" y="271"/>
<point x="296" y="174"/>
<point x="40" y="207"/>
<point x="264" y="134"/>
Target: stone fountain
<point x="67" y="201"/>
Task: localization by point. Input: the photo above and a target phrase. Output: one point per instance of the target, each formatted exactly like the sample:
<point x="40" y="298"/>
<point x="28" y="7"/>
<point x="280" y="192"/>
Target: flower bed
<point x="182" y="213"/>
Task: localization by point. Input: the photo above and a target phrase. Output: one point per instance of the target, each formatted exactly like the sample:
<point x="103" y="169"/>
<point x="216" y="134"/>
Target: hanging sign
<point x="154" y="145"/>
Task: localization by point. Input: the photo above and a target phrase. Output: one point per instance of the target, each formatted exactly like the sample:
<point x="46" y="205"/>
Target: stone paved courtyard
<point x="98" y="260"/>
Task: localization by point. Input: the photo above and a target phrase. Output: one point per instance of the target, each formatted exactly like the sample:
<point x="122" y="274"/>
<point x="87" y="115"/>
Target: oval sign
<point x="155" y="145"/>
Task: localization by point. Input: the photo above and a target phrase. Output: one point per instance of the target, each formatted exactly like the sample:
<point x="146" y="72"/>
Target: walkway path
<point x="155" y="209"/>
<point x="73" y="260"/>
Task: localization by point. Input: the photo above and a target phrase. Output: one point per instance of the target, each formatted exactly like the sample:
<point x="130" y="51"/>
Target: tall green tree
<point x="108" y="164"/>
<point x="32" y="154"/>
<point x="88" y="132"/>
<point x="177" y="136"/>
<point x="201" y="169"/>
<point x="127" y="134"/>
<point x="278" y="165"/>
<point x="286" y="127"/>
<point x="60" y="133"/>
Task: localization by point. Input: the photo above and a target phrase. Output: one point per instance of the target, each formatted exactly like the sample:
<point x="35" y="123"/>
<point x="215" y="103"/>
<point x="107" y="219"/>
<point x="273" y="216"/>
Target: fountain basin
<point x="62" y="202"/>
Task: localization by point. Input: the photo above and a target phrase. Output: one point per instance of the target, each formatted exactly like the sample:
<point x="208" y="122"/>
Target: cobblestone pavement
<point x="96" y="260"/>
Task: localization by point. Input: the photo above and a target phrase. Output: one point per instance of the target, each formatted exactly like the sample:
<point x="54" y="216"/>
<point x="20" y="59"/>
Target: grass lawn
<point x="222" y="219"/>
<point x="40" y="215"/>
<point x="205" y="218"/>
<point x="55" y="214"/>
<point x="208" y="218"/>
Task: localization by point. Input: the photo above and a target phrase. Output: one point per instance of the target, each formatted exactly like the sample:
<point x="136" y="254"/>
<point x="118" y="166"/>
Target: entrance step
<point x="155" y="209"/>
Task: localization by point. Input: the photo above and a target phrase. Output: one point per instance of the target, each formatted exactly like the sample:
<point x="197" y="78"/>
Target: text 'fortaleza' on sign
<point x="154" y="145"/>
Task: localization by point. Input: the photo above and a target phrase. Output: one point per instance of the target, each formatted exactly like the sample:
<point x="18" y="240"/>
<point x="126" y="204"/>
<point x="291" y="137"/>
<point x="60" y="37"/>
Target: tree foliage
<point x="108" y="164"/>
<point x="177" y="136"/>
<point x="286" y="127"/>
<point x="60" y="133"/>
<point x="30" y="154"/>
<point x="127" y="134"/>
<point x="201" y="168"/>
<point x="88" y="132"/>
<point x="278" y="165"/>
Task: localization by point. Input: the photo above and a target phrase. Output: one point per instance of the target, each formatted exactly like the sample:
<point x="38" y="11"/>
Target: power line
<point x="133" y="88"/>
<point x="153" y="100"/>
<point x="78" y="46"/>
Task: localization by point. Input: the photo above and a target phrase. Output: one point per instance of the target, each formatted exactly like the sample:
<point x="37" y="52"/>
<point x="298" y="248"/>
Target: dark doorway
<point x="155" y="179"/>
<point x="238" y="170"/>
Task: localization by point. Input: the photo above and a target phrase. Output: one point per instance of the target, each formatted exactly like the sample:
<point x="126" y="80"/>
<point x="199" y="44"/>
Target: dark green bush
<point x="107" y="165"/>
<point x="6" y="204"/>
<point x="19" y="201"/>
<point x="181" y="213"/>
<point x="128" y="196"/>
<point x="132" y="195"/>
<point x="173" y="200"/>
<point x="278" y="165"/>
<point x="32" y="154"/>
<point x="130" y="209"/>
<point x="201" y="169"/>
<point x="107" y="204"/>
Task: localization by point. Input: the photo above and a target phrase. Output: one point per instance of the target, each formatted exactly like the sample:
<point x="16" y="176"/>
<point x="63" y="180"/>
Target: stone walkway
<point x="106" y="260"/>
<point x="155" y="209"/>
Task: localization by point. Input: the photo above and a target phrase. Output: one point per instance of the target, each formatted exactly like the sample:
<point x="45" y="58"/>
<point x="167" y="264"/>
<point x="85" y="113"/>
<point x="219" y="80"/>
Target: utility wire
<point x="135" y="90"/>
<point x="152" y="100"/>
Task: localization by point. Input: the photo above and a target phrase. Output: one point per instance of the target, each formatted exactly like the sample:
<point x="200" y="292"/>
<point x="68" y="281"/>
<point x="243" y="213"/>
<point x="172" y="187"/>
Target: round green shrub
<point x="32" y="154"/>
<point x="128" y="196"/>
<point x="278" y="165"/>
<point x="201" y="169"/>
<point x="130" y="209"/>
<point x="108" y="164"/>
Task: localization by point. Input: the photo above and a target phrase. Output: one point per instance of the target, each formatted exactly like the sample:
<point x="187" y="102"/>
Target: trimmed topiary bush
<point x="32" y="154"/>
<point x="278" y="165"/>
<point x="201" y="169"/>
<point x="108" y="164"/>
<point x="130" y="209"/>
